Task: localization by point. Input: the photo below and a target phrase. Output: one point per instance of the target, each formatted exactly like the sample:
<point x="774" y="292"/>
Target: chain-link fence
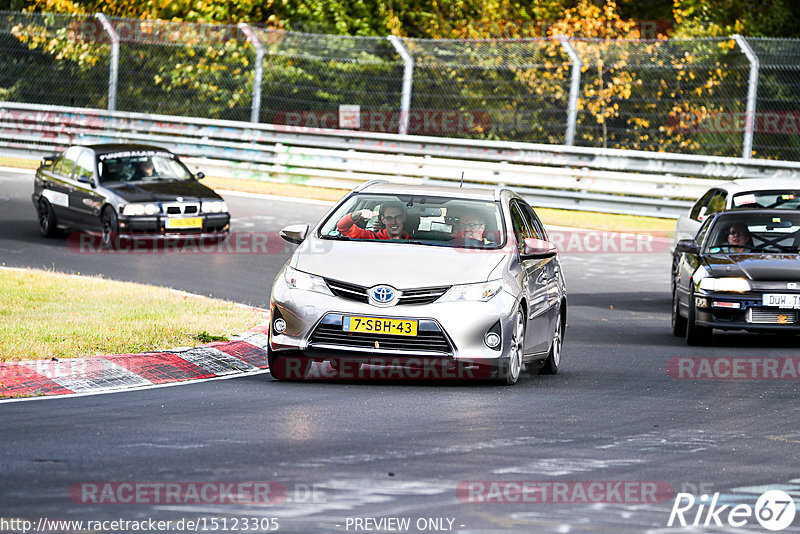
<point x="689" y="96"/>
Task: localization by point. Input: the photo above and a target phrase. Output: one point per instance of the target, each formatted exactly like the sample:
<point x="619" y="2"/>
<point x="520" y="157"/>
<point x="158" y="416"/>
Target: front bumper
<point x="743" y="311"/>
<point x="451" y="330"/>
<point x="155" y="227"/>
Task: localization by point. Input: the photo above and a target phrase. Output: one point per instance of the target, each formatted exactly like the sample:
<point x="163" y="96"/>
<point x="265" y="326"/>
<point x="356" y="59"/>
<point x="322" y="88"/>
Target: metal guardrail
<point x="615" y="181"/>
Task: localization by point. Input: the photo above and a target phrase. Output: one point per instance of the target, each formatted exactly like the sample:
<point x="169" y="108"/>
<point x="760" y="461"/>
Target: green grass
<point x="46" y="314"/>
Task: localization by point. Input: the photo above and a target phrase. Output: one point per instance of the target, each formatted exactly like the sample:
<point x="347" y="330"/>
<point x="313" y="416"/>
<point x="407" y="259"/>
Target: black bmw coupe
<point x="740" y="272"/>
<point x="136" y="191"/>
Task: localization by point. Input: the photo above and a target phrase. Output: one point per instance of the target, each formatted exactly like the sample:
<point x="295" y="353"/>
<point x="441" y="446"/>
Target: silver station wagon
<point x="427" y="282"/>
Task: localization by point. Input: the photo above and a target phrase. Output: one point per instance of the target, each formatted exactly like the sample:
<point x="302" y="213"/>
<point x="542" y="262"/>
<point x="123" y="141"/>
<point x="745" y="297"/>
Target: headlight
<point x="213" y="206"/>
<point x="482" y="292"/>
<point x="725" y="284"/>
<point x="140" y="209"/>
<point x="308" y="282"/>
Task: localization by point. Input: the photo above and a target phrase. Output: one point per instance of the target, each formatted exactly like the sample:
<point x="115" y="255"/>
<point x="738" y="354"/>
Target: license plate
<point x="189" y="222"/>
<point x="781" y="300"/>
<point x="376" y="325"/>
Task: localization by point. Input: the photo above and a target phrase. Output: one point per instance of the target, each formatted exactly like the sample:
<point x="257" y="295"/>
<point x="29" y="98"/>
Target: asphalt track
<point x="361" y="451"/>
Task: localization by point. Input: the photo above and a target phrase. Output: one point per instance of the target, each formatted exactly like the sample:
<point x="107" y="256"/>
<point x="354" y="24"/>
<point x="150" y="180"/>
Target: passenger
<point x="145" y="169"/>
<point x="392" y="217"/>
<point x="739" y="238"/>
<point x="470" y="229"/>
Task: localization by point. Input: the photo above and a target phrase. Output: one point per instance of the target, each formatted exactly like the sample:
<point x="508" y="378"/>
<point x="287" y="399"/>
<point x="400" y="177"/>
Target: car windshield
<point x="417" y="219"/>
<point x="141" y="166"/>
<point x="777" y="199"/>
<point x="754" y="233"/>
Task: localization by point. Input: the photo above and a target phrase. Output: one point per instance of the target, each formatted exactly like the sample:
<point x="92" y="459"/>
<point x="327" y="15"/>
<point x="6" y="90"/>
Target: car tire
<point x="47" y="218"/>
<point x="279" y="367"/>
<point x="553" y="361"/>
<point x="110" y="228"/>
<point x="678" y="321"/>
<point x="513" y="367"/>
<point x="696" y="335"/>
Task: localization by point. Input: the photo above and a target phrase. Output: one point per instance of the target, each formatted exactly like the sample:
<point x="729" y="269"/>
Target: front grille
<point x="429" y="338"/>
<point x="424" y="295"/>
<point x="771" y="316"/>
<point x="347" y="291"/>
<point x="180" y="208"/>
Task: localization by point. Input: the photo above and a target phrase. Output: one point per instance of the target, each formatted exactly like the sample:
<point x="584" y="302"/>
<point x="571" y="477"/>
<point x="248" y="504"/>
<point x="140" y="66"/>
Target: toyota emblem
<point x="382" y="295"/>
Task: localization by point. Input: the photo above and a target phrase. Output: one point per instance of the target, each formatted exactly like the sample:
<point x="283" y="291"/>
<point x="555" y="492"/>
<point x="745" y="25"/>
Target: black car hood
<point x="162" y="191"/>
<point x="756" y="267"/>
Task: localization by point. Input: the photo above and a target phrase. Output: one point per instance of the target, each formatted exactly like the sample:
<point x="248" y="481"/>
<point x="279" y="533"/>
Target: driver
<point x="146" y="169"/>
<point x="739" y="238"/>
<point x="392" y="217"/>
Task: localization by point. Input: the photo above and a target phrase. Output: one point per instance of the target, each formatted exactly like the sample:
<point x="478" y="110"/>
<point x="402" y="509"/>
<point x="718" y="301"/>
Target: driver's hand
<point x="365" y="214"/>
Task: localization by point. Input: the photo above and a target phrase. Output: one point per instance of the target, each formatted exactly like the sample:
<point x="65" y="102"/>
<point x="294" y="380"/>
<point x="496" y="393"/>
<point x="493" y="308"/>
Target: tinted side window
<point x="717" y="202"/>
<point x="701" y="233"/>
<point x="84" y="167"/>
<point x="534" y="224"/>
<point x="66" y="164"/>
<point x="518" y="224"/>
<point x="704" y="200"/>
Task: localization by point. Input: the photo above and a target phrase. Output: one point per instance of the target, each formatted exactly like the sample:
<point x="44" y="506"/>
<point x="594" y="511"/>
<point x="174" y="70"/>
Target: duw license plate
<point x="781" y="300"/>
<point x="376" y="325"/>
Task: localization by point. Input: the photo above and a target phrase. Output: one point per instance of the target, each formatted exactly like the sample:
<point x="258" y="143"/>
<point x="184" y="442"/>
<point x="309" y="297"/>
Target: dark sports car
<point x="126" y="190"/>
<point x="740" y="272"/>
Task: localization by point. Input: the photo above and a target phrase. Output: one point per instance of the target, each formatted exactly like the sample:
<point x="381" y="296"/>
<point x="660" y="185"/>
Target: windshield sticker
<point x="333" y="233"/>
<point x="714" y="250"/>
<point x="776" y="219"/>
<point x="742" y="200"/>
<point x="787" y="197"/>
<point x="136" y="154"/>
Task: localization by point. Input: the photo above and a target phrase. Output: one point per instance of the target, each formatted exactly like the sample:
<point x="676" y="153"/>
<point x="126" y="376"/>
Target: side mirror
<point x="85" y="180"/>
<point x="295" y="233"/>
<point x="200" y="175"/>
<point x="49" y="160"/>
<point x="538" y="248"/>
<point x="687" y="246"/>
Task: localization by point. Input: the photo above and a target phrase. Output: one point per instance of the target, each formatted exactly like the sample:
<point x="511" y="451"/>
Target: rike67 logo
<point x="774" y="510"/>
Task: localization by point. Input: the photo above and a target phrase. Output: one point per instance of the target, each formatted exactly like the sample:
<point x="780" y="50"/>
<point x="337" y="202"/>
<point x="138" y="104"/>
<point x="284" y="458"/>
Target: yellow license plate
<point x="376" y="325"/>
<point x="189" y="222"/>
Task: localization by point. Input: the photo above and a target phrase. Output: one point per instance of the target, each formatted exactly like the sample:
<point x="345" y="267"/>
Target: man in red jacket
<point x="392" y="216"/>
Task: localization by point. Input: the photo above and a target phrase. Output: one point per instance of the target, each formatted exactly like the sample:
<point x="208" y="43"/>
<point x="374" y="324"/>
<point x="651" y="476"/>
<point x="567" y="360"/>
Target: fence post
<point x="114" y="62"/>
<point x="574" y="89"/>
<point x="408" y="75"/>
<point x="253" y="39"/>
<point x="752" y="93"/>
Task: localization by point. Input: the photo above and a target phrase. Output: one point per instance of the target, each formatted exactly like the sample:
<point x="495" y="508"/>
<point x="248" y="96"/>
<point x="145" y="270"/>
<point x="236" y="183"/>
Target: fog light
<point x="279" y="326"/>
<point x="492" y="340"/>
<point x="731" y="305"/>
<point x="701" y="302"/>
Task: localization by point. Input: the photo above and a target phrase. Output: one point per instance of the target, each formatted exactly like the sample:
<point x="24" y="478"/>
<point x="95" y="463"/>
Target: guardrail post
<point x="574" y="89"/>
<point x="253" y="39"/>
<point x="752" y="93"/>
<point x="114" y="61"/>
<point x="408" y="75"/>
